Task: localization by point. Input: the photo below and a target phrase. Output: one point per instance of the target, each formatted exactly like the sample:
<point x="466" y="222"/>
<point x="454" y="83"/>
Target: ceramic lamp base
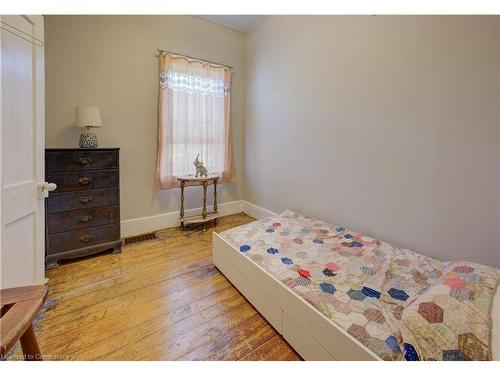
<point x="88" y="140"/>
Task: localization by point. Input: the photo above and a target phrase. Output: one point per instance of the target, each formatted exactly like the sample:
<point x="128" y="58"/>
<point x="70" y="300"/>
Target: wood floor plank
<point x="173" y="343"/>
<point x="158" y="300"/>
<point x="127" y="338"/>
<point x="170" y="274"/>
<point x="162" y="293"/>
<point x="234" y="343"/>
<point x="275" y="349"/>
<point x="155" y="255"/>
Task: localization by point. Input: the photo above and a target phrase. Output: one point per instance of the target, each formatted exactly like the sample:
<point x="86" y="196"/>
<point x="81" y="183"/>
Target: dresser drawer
<point x="60" y="161"/>
<point x="76" y="239"/>
<point x="66" y="221"/>
<point x="60" y="202"/>
<point x="84" y="180"/>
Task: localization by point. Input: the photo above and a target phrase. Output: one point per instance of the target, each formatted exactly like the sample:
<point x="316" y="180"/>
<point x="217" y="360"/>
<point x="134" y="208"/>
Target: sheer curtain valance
<point x="194" y="118"/>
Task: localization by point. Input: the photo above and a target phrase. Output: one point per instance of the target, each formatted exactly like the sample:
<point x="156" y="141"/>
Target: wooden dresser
<point x="83" y="213"/>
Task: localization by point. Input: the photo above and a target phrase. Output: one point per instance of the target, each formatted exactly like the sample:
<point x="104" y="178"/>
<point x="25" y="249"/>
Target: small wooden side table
<point x="19" y="307"/>
<point x="205" y="216"/>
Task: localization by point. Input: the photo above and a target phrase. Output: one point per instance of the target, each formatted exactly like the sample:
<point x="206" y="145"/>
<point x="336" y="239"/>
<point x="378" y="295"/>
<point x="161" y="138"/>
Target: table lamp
<point x="88" y="117"/>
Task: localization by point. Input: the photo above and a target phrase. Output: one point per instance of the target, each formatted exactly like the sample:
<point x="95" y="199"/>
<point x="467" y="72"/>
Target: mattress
<point x="366" y="286"/>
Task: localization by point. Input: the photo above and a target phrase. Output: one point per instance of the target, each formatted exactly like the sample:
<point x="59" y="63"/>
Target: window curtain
<point x="194" y="118"/>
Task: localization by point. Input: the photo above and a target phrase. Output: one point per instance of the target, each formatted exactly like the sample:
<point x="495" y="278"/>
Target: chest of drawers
<point x="83" y="213"/>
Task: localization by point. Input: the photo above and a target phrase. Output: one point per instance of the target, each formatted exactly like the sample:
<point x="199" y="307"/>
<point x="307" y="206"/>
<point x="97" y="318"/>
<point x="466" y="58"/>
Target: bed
<point x="335" y="294"/>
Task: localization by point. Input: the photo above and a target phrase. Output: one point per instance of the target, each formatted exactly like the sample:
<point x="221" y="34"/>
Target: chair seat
<point x="19" y="307"/>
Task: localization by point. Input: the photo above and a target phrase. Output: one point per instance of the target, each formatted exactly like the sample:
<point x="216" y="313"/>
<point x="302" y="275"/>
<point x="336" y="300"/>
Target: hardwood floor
<point x="157" y="300"/>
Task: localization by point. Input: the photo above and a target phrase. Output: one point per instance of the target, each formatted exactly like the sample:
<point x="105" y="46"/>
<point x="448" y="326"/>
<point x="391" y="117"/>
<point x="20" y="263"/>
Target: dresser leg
<point x="51" y="263"/>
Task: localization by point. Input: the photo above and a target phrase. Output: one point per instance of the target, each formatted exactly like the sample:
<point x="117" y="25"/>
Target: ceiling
<point x="241" y="23"/>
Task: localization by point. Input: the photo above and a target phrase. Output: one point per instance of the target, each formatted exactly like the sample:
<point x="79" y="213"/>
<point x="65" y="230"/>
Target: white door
<point x="22" y="151"/>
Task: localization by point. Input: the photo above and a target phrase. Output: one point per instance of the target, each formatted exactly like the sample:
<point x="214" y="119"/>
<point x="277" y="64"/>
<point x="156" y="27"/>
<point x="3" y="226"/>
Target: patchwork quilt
<point x="400" y="304"/>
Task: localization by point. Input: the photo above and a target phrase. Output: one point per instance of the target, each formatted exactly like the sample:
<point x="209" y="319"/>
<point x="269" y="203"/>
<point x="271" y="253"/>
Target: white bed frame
<point x="308" y="331"/>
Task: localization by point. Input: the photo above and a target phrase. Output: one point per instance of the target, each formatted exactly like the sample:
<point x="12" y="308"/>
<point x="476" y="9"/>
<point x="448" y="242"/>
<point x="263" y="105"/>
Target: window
<point x="194" y="118"/>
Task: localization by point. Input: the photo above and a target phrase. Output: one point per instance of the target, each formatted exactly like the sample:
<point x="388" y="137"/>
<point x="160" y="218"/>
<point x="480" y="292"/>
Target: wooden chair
<point x="19" y="307"/>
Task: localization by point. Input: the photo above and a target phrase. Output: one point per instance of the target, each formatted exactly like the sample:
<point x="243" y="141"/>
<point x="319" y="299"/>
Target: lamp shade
<point x="88" y="116"/>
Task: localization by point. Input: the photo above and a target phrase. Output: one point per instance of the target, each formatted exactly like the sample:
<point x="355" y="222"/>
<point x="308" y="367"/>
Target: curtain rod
<point x="163" y="52"/>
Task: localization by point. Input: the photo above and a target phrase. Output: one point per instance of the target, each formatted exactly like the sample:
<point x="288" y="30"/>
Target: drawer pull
<point x="85" y="199"/>
<point x="86" y="238"/>
<point x="84" y="180"/>
<point x="85" y="218"/>
<point x="84" y="161"/>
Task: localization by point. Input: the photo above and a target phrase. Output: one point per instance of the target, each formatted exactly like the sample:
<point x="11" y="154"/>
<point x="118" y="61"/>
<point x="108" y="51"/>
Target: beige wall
<point x="387" y="125"/>
<point x="109" y="61"/>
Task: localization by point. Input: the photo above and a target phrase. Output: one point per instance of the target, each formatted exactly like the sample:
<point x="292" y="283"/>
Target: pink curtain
<point x="194" y="118"/>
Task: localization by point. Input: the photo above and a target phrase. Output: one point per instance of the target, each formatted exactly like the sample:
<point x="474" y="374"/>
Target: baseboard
<point x="146" y="224"/>
<point x="141" y="225"/>
<point x="255" y="211"/>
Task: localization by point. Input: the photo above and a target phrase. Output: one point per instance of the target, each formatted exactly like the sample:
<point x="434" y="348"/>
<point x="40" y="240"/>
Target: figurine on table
<point x="201" y="171"/>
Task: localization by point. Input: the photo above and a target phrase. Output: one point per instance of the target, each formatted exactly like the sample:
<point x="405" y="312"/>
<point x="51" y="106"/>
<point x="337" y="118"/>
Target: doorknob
<point x="44" y="188"/>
